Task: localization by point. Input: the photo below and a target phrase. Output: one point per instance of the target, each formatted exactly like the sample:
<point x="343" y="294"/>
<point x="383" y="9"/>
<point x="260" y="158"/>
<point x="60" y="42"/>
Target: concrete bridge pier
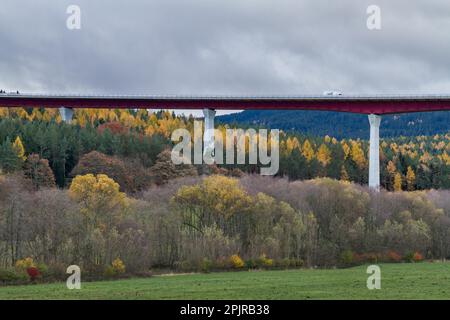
<point x="374" y="152"/>
<point x="208" y="136"/>
<point x="66" y="114"/>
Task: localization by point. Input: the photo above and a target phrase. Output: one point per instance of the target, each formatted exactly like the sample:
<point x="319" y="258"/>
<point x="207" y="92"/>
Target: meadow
<point x="424" y="280"/>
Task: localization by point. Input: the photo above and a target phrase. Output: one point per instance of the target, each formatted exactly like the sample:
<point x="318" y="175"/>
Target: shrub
<point x="346" y="257"/>
<point x="55" y="272"/>
<point x="236" y="261"/>
<point x="417" y="257"/>
<point x="118" y="266"/>
<point x="91" y="272"/>
<point x="250" y="264"/>
<point x="284" y="263"/>
<point x="11" y="277"/>
<point x="205" y="265"/>
<point x="184" y="266"/>
<point x="43" y="268"/>
<point x="109" y="272"/>
<point x="264" y="262"/>
<point x="409" y="257"/>
<point x="24" y="264"/>
<point x="33" y="273"/>
<point x="394" y="256"/>
<point x="299" y="262"/>
<point x="222" y="263"/>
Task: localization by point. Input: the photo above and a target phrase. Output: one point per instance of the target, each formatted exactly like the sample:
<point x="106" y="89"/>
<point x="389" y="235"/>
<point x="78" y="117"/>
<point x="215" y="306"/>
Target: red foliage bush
<point x="394" y="256"/>
<point x="417" y="257"/>
<point x="33" y="273"/>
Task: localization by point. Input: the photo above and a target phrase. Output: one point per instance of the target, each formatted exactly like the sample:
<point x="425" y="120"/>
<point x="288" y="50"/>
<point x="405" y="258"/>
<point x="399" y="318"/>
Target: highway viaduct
<point x="374" y="106"/>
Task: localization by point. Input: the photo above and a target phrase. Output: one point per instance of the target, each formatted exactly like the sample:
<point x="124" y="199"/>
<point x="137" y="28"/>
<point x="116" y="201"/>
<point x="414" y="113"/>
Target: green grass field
<point x="399" y="281"/>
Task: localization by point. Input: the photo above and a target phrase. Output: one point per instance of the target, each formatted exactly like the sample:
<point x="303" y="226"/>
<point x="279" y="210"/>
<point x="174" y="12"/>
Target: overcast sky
<point x="225" y="47"/>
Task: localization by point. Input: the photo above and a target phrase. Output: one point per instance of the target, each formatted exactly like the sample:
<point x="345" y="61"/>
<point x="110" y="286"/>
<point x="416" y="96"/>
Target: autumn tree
<point x="217" y="200"/>
<point x="98" y="163"/>
<point x="102" y="206"/>
<point x="114" y="127"/>
<point x="324" y="155"/>
<point x="9" y="161"/>
<point x="165" y="170"/>
<point x="39" y="172"/>
<point x="19" y="149"/>
<point x="346" y="148"/>
<point x="410" y="179"/>
<point x="98" y="195"/>
<point x="391" y="172"/>
<point x="398" y="182"/>
<point x="308" y="151"/>
<point x="357" y="155"/>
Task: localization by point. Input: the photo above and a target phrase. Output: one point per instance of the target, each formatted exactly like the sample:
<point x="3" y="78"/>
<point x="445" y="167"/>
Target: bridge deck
<point x="381" y="104"/>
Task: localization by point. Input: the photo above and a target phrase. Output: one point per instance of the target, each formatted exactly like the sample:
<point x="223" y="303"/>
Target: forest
<point x="136" y="138"/>
<point x="102" y="193"/>
<point x="340" y="124"/>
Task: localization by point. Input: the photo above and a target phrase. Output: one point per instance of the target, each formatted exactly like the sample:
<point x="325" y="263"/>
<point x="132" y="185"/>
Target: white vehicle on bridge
<point x="332" y="93"/>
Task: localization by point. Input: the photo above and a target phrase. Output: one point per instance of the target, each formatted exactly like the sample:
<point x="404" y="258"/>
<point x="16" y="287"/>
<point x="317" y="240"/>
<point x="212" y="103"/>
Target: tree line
<point x="213" y="223"/>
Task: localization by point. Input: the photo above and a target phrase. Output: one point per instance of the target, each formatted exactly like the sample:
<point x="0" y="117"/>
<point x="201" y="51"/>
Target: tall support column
<point x="208" y="137"/>
<point x="374" y="152"/>
<point x="66" y="114"/>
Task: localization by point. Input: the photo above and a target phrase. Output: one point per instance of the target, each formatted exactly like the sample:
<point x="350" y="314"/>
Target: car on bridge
<point x="332" y="93"/>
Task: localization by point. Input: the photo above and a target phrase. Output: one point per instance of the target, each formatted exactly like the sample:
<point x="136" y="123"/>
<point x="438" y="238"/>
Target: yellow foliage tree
<point x="426" y="158"/>
<point x="446" y="158"/>
<point x="292" y="144"/>
<point x="357" y="154"/>
<point x="118" y="266"/>
<point x="215" y="201"/>
<point x="346" y="149"/>
<point x="324" y="155"/>
<point x="19" y="149"/>
<point x="4" y="112"/>
<point x="410" y="179"/>
<point x="307" y="150"/>
<point x="36" y="114"/>
<point x="391" y="168"/>
<point x="99" y="197"/>
<point x="398" y="182"/>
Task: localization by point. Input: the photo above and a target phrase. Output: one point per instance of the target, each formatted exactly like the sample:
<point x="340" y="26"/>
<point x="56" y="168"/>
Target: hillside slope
<point x="342" y="125"/>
